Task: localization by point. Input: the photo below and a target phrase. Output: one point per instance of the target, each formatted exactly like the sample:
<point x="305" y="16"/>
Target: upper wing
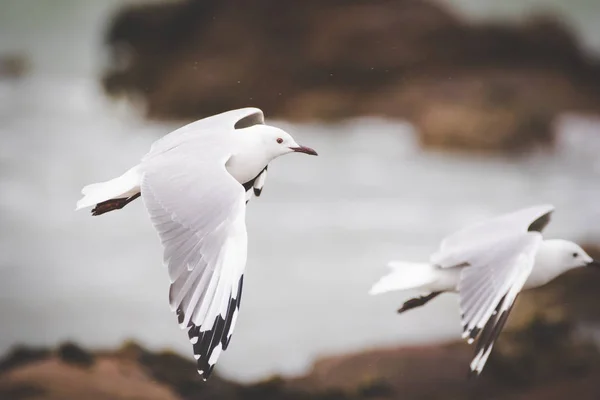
<point x="198" y="209"/>
<point x="490" y="231"/>
<point x="489" y="285"/>
<point x="229" y="120"/>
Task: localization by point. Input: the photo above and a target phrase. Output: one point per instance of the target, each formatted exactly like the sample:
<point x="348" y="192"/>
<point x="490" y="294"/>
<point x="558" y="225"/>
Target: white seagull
<point x="195" y="183"/>
<point x="488" y="264"/>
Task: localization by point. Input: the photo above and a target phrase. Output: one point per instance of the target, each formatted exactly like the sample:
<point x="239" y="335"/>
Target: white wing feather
<point x="492" y="313"/>
<point x="493" y="273"/>
<point x="213" y="125"/>
<point x="488" y="231"/>
<point x="198" y="209"/>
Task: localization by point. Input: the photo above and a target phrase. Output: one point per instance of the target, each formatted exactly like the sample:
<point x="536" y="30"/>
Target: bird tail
<point x="111" y="195"/>
<point x="403" y="276"/>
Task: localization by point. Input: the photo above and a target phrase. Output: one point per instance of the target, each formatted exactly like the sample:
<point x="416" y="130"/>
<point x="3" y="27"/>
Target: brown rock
<point x="13" y="66"/>
<point x="539" y="360"/>
<point x="482" y="87"/>
<point x="108" y="379"/>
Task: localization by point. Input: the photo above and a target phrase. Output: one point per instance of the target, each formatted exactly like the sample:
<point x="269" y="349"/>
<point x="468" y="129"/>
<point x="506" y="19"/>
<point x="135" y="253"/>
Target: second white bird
<point x="488" y="264"/>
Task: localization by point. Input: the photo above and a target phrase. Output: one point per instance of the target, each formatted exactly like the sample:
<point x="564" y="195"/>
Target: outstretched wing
<point x="198" y="209"/>
<point x="528" y="219"/>
<point x="488" y="287"/>
<point x="213" y="125"/>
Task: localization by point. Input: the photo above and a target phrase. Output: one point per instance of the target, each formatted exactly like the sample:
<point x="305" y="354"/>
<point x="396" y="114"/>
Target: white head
<point x="273" y="142"/>
<point x="563" y="255"/>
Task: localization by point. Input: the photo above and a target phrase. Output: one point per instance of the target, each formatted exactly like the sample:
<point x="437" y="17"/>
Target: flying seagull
<point x="488" y="264"/>
<point x="195" y="183"/>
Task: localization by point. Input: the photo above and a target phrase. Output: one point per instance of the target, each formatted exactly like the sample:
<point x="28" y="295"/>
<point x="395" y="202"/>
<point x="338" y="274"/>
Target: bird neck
<point x="246" y="165"/>
<point x="547" y="266"/>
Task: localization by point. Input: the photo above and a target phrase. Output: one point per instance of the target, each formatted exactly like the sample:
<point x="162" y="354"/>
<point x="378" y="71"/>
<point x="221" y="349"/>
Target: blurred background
<point x="427" y="115"/>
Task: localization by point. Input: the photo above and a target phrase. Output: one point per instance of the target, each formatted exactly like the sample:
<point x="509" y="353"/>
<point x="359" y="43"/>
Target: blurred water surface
<point x="319" y="236"/>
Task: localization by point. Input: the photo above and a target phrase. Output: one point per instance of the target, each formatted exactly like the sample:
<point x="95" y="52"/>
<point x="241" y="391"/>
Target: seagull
<point x="195" y="183"/>
<point x="488" y="264"/>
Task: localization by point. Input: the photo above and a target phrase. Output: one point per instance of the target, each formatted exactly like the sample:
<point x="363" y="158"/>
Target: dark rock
<point x="542" y="361"/>
<point x="180" y="374"/>
<point x="377" y="389"/>
<point x="21" y="392"/>
<point x="23" y="355"/>
<point x="70" y="353"/>
<point x="13" y="66"/>
<point x="485" y="87"/>
<point x="527" y="361"/>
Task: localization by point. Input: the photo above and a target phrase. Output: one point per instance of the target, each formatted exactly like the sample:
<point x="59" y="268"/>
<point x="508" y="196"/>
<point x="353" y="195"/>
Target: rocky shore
<point x="550" y="364"/>
<point x="487" y="87"/>
<point x="544" y="353"/>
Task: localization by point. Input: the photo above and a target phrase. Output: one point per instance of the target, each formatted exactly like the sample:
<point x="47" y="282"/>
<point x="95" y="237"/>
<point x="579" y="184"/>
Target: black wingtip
<point x="472" y="375"/>
<point x="216" y="338"/>
<point x="474" y="333"/>
<point x="180" y="315"/>
<point x="206" y="374"/>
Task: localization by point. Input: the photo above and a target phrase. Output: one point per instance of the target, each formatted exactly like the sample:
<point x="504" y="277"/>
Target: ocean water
<point x="319" y="236"/>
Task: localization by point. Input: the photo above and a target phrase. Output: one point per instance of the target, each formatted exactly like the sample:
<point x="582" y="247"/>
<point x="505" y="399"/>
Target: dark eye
<point x="575" y="255"/>
<point x="279" y="140"/>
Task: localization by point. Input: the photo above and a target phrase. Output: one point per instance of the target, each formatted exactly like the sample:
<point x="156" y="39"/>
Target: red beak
<point x="305" y="150"/>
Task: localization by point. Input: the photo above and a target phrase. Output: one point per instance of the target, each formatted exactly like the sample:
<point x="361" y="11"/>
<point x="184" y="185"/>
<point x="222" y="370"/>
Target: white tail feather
<point x="404" y="275"/>
<point x="125" y="185"/>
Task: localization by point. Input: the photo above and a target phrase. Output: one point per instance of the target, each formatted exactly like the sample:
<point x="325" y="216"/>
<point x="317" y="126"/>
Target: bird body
<point x="195" y="183"/>
<point x="249" y="149"/>
<point x="488" y="264"/>
<point x="432" y="278"/>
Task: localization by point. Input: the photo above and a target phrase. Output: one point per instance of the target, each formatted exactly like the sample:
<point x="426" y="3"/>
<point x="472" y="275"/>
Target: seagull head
<point x="570" y="255"/>
<point x="277" y="142"/>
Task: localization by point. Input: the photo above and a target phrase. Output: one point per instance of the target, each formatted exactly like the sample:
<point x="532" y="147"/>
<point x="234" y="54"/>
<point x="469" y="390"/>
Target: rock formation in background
<point x="13" y="66"/>
<point x="541" y="355"/>
<point x="483" y="87"/>
<point x="553" y="367"/>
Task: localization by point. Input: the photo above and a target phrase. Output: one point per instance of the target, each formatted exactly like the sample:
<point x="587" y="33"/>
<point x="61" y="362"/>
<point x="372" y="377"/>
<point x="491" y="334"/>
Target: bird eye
<point x="575" y="255"/>
<point x="279" y="140"/>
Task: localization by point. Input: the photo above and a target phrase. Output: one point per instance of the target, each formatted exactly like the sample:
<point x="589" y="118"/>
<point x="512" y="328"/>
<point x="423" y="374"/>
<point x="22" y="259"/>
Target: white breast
<point x="246" y="166"/>
<point x="546" y="267"/>
<point x="540" y="275"/>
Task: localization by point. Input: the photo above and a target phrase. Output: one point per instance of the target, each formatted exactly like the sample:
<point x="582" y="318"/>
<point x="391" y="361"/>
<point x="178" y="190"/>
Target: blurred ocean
<point x="319" y="236"/>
